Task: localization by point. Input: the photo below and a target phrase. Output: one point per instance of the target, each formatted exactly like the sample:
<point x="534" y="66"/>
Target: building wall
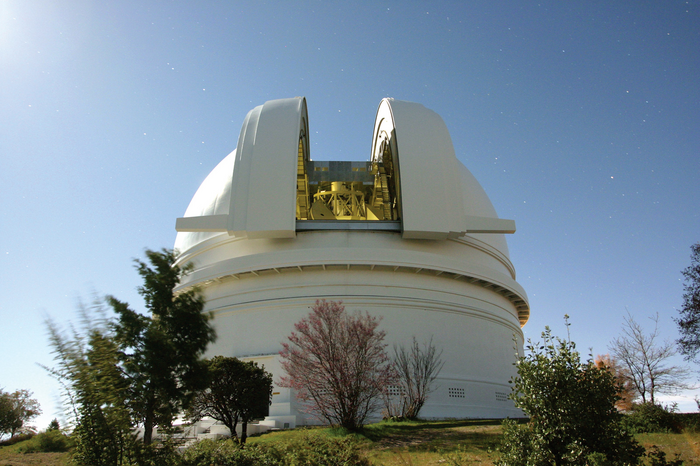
<point x="473" y="325"/>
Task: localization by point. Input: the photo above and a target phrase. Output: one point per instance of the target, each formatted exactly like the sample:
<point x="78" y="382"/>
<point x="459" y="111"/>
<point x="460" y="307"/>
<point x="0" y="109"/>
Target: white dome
<point x="212" y="198"/>
<point x="427" y="271"/>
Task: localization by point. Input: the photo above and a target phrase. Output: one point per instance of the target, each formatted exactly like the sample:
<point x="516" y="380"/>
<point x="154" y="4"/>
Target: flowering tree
<point x="337" y="364"/>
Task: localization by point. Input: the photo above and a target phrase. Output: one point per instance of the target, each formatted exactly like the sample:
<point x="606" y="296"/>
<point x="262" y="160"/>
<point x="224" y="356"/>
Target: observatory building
<point x="409" y="235"/>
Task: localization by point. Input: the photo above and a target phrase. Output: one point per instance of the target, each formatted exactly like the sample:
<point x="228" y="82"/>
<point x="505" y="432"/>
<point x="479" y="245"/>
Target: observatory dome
<point x="213" y="196"/>
<point x="410" y="236"/>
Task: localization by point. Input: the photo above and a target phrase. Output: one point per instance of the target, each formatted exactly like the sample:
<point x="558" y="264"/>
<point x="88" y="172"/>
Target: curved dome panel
<point x="478" y="204"/>
<point x="430" y="193"/>
<point x="212" y="198"/>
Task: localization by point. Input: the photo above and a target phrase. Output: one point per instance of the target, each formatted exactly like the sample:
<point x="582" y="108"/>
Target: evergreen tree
<point x="689" y="321"/>
<point x="161" y="353"/>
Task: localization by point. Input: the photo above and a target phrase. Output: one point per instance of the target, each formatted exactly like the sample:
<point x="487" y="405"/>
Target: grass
<point x="11" y="456"/>
<point x="686" y="445"/>
<point x="410" y="443"/>
<point x="414" y="442"/>
<point x="459" y="442"/>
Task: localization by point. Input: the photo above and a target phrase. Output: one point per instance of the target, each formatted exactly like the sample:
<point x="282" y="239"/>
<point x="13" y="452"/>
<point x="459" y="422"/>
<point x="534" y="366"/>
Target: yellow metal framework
<point x="348" y="191"/>
<point x="302" y="183"/>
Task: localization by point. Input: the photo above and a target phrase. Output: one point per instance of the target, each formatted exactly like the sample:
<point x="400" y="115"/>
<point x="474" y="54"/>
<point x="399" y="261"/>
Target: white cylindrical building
<point x="410" y="236"/>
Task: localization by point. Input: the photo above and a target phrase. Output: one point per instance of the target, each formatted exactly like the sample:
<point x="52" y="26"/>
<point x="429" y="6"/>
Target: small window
<point x="394" y="390"/>
<point x="454" y="392"/>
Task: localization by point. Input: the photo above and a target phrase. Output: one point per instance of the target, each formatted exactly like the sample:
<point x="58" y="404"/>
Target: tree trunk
<point x="232" y="427"/>
<point x="244" y="431"/>
<point x="149" y="422"/>
<point x="148" y="428"/>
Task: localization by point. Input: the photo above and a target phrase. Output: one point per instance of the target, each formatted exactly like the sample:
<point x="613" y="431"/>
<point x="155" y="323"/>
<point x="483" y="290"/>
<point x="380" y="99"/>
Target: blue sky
<point x="580" y="119"/>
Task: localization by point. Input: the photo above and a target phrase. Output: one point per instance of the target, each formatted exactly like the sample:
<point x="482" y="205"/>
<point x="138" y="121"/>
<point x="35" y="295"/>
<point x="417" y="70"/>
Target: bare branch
<point x="645" y="359"/>
<point x="417" y="369"/>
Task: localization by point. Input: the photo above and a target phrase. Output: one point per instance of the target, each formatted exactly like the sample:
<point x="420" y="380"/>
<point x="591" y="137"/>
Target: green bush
<point x="320" y="451"/>
<point x="49" y="441"/>
<point x="651" y="418"/>
<point x="689" y="421"/>
<point x="658" y="458"/>
<point x="309" y="450"/>
<point x="16" y="439"/>
<point x="571" y="408"/>
<point x="229" y="453"/>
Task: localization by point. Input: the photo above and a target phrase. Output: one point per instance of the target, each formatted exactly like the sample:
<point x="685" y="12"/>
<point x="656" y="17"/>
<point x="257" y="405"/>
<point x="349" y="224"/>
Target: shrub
<point x="320" y="451"/>
<point x="337" y="364"/>
<point x="689" y="421"/>
<point x="658" y="458"/>
<point x="651" y="418"/>
<point x="230" y="453"/>
<point x="49" y="441"/>
<point x="310" y="449"/>
<point x="571" y="405"/>
<point x="16" y="439"/>
<point x="154" y="454"/>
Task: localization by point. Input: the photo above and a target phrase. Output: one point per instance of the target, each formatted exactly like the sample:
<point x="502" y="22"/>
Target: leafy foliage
<point x="133" y="370"/>
<point x="87" y="368"/>
<point x="627" y="392"/>
<point x="49" y="441"/>
<point x="646" y="360"/>
<point x="417" y="368"/>
<point x="651" y="418"/>
<point x="308" y="450"/>
<point x="16" y="439"/>
<point x="571" y="405"/>
<point x="689" y="320"/>
<point x="229" y="453"/>
<point x="236" y="391"/>
<point x="16" y="410"/>
<point x="657" y="457"/>
<point x="337" y="364"/>
<point x="160" y="354"/>
<point x="329" y="451"/>
<point x="53" y="425"/>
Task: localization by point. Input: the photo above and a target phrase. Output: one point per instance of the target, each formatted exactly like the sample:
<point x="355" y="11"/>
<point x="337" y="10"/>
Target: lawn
<point x="463" y="442"/>
<point x="450" y="443"/>
<point x="10" y="456"/>
<point x="415" y="442"/>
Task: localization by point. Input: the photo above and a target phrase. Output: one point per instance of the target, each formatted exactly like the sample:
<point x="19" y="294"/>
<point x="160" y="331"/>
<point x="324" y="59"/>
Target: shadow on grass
<point x="465" y="435"/>
<point x="384" y="429"/>
<point x="473" y="435"/>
